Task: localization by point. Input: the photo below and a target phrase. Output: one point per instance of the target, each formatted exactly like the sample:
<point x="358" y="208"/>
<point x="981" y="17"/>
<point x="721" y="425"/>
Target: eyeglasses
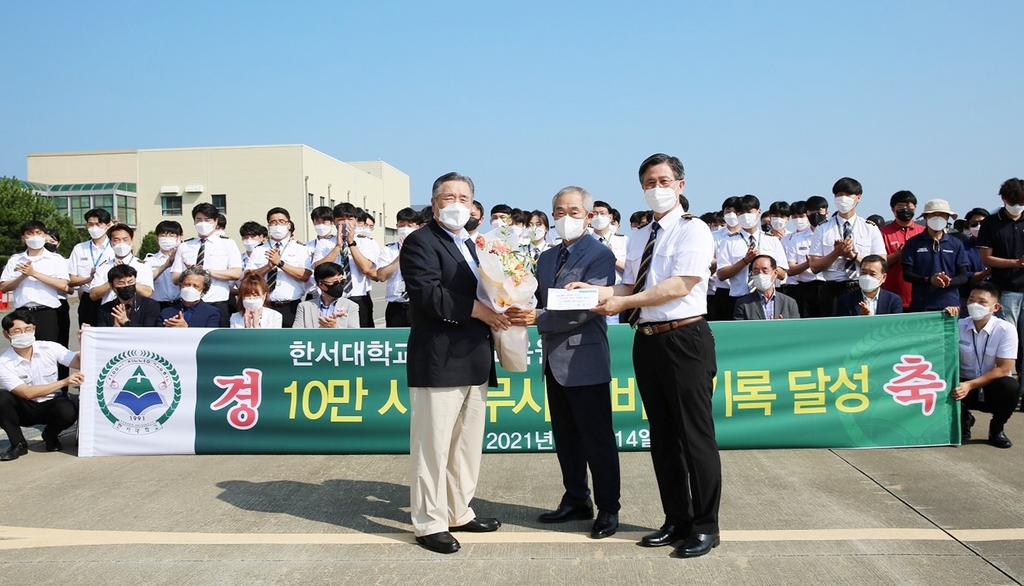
<point x="663" y="182"/>
<point x="25" y="330"/>
<point x="974" y="225"/>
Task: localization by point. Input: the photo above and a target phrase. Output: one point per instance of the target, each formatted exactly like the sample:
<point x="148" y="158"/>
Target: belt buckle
<point x="647" y="330"/>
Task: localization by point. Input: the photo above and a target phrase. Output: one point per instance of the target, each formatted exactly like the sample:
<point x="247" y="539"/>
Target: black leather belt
<point x="282" y="303"/>
<point x="35" y="308"/>
<point x="652" y="328"/>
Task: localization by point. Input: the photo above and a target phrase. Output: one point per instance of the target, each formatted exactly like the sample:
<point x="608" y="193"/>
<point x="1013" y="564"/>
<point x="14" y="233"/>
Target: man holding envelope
<point x="577" y="364"/>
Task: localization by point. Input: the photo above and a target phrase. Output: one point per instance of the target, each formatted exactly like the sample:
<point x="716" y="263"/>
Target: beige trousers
<point x="446" y="436"/>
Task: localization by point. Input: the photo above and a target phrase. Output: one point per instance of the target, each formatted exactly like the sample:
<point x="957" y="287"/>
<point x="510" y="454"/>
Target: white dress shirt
<point x="269" y="318"/>
<point x="293" y="254"/>
<point x="85" y="257"/>
<point x="797" y="245"/>
<point x="735" y="246"/>
<point x="979" y="350"/>
<point x="866" y="240"/>
<point x="394" y="288"/>
<point x="32" y="292"/>
<point x="220" y="254"/>
<point x="144" y="275"/>
<point x="41" y="370"/>
<point x="164" y="288"/>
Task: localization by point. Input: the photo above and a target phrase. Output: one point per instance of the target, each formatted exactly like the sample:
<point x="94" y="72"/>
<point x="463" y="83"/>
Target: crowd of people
<point x="667" y="279"/>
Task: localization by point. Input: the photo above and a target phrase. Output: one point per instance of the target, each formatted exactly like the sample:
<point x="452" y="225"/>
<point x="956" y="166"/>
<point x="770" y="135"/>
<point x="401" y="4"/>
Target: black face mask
<point x="905" y="215"/>
<point x="766" y="228"/>
<point x="51" y="247"/>
<point x="336" y="290"/>
<point x="125" y="293"/>
<point x="816" y="218"/>
<point x="472" y="224"/>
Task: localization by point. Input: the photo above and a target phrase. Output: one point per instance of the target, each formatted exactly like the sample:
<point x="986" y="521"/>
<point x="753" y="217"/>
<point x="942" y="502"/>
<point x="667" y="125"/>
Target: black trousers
<point x="365" y="310"/>
<point x="581" y="423"/>
<point x="47" y="323"/>
<point x="807" y="297"/>
<point x="720" y="305"/>
<point x="88" y="310"/>
<point x="287" y="311"/>
<point x="998" y="397"/>
<point x="63" y="334"/>
<point x="57" y="414"/>
<point x="674" y="373"/>
<point x="396" y="315"/>
<point x="829" y="293"/>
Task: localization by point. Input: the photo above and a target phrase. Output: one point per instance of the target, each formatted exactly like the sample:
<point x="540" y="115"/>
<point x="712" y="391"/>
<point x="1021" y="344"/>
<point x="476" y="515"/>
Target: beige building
<point x="143" y="187"/>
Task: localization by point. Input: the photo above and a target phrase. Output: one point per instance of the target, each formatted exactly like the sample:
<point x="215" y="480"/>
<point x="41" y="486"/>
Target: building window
<point x="79" y="205"/>
<point x="220" y="201"/>
<point x="310" y="203"/>
<point x="170" y="205"/>
<point x="332" y="204"/>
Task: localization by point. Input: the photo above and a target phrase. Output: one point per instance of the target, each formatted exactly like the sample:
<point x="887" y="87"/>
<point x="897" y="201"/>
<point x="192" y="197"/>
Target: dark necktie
<point x="201" y="255"/>
<point x="850" y="267"/>
<point x="346" y="269"/>
<point x="563" y="255"/>
<point x="472" y="249"/>
<point x="272" y="273"/>
<point x="750" y="275"/>
<point x="641" y="277"/>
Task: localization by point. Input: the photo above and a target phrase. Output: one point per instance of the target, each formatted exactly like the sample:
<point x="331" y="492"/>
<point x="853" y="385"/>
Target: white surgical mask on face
<point x="569" y="228"/>
<point x="167" y="242"/>
<point x="96" y="231"/>
<point x="977" y="311"/>
<point x="454" y="216"/>
<point x="204" y="229"/>
<point x="252" y="303"/>
<point x="497" y="224"/>
<point x="661" y="199"/>
<point x="937" y="223"/>
<point x="1014" y="210"/>
<point x="779" y="223"/>
<point x="365" y="232"/>
<point x="731" y="219"/>
<point x="845" y="203"/>
<point x="537" y="233"/>
<point x="601" y="221"/>
<point x="278" y="232"/>
<point x="122" y="249"/>
<point x="323" y="229"/>
<point x="748" y="220"/>
<point x="405" y="231"/>
<point x="975" y="230"/>
<point x="35" y="242"/>
<point x="190" y="294"/>
<point x="517" y="231"/>
<point x="763" y="281"/>
<point x="868" y="283"/>
<point x="801" y="224"/>
<point x="250" y="244"/>
<point x="23" y="340"/>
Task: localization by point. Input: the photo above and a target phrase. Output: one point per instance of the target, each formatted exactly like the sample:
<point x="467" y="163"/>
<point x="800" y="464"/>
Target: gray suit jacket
<point x="575" y="342"/>
<point x="749" y="307"/>
<point x="307" y="314"/>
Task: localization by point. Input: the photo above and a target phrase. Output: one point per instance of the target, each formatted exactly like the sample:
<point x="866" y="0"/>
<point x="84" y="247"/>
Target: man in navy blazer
<point x="577" y="367"/>
<point x="450" y="363"/>
<point x="191" y="311"/>
<point x="871" y="299"/>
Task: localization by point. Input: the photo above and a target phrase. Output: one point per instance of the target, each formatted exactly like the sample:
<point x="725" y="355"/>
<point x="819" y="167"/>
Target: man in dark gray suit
<point x="765" y="302"/>
<point x="577" y="367"/>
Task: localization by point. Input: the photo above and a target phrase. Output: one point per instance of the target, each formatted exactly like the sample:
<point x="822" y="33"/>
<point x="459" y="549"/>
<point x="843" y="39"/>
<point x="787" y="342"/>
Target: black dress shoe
<point x="442" y="542"/>
<point x="664" y="536"/>
<point x="965" y="427"/>
<point x="14" y="452"/>
<point x="478" y="525"/>
<point x="605" y="526"/>
<point x="53" y="445"/>
<point x="999" y="440"/>
<point x="568" y="513"/>
<point x="697" y="544"/>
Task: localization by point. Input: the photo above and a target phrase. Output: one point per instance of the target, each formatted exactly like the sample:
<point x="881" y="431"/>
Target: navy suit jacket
<point x="888" y="302"/>
<point x="145" y="313"/>
<point x="575" y="342"/>
<point x="447" y="347"/>
<point x="204" y="315"/>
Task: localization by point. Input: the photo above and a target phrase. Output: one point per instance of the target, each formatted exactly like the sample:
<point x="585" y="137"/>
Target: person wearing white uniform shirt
<point x="85" y="258"/>
<point x="37" y="277"/>
<point x="325" y="241"/>
<point x="602" y="225"/>
<point x="33" y="395"/>
<point x="803" y="282"/>
<point x="217" y="256"/>
<point x="668" y="265"/>
<point x="356" y="252"/>
<point x="988" y="351"/>
<point x="737" y="251"/>
<point x="120" y="236"/>
<point x="396" y="315"/>
<point x="840" y="245"/>
<point x="284" y="263"/>
<point x="168" y="237"/>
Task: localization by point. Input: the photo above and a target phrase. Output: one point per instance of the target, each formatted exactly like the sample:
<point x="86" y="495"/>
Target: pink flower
<point x="480" y="242"/>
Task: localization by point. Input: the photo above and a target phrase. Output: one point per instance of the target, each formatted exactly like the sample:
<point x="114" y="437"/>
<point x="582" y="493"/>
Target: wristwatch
<point x="280" y="263"/>
<point x="353" y="243"/>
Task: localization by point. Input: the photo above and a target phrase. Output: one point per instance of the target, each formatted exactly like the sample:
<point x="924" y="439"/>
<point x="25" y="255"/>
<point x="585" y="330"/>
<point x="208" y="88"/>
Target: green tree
<point x="149" y="245"/>
<point x="18" y="204"/>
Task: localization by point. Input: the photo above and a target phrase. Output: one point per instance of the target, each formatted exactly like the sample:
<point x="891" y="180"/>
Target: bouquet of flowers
<point x="506" y="280"/>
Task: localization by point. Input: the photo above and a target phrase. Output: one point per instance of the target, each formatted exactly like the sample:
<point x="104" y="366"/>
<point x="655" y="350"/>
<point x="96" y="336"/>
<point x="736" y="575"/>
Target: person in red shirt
<point x="895" y="235"/>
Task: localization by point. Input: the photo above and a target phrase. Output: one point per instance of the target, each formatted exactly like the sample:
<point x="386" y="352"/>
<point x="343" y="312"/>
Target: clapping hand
<point x="176" y="321"/>
<point x="940" y="280"/>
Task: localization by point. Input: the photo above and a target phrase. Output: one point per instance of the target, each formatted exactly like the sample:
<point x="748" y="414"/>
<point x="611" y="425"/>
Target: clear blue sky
<point x="778" y="99"/>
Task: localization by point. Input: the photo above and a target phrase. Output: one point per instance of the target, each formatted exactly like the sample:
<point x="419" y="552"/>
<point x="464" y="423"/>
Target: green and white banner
<point x="842" y="382"/>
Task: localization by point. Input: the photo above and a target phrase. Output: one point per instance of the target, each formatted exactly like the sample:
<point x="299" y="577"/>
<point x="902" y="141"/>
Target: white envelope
<point x="575" y="299"/>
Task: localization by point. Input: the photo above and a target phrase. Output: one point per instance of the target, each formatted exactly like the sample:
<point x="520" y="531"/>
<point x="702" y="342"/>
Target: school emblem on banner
<point x="138" y="391"/>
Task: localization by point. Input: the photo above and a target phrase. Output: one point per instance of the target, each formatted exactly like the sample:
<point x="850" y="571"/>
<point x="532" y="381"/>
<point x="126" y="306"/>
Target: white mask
<point x="252" y="303"/>
<point x="191" y="294"/>
<point x="537" y="233"/>
<point x="763" y="281"/>
<point x="167" y="242"/>
<point x="748" y="220"/>
<point x="498" y="224"/>
<point x="1014" y="210"/>
<point x="367" y="232"/>
<point x="323" y="229"/>
<point x="517" y="231"/>
<point x="731" y="219"/>
<point x="801" y="224"/>
<point x="975" y="230"/>
<point x="454" y="216"/>
<point x="937" y="223"/>
<point x="661" y="199"/>
<point x="23" y="340"/>
<point x="405" y="231"/>
<point x="96" y="232"/>
<point x="569" y="228"/>
<point x="278" y="232"/>
<point x="977" y="311"/>
<point x="601" y="221"/>
<point x="868" y="283"/>
<point x="250" y="244"/>
<point x="845" y="203"/>
<point x="779" y="223"/>
<point x="121" y="249"/>
<point x="204" y="229"/>
<point x="35" y="242"/>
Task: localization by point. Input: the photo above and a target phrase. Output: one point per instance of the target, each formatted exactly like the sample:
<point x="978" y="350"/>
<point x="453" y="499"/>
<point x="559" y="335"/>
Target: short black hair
<point x="168" y="226"/>
<point x="252" y="229"/>
<point x="102" y="216"/>
<point x="322" y="214"/>
<point x="847" y="185"/>
<point x="616" y="216"/>
<point x="222" y="221"/>
<point x="326" y="270"/>
<point x="876" y="258"/>
<point x="816" y="202"/>
<point x="518" y="216"/>
<point x="771" y="258"/>
<point x="427" y="215"/>
<point x="658" y="159"/>
<point x="32" y="226"/>
<point x="121" y="271"/>
<point x="479" y="207"/>
<point x="501" y="209"/>
<point x="602" y="204"/>
<point x="20" y="314"/>
<point x="278" y="210"/>
<point x="407" y="215"/>
<point x="207" y="209"/>
<point x="542" y="217"/>
<point x="987" y="286"/>
<point x="53" y="233"/>
<point x="876" y="220"/>
<point x="779" y="208"/>
<point x="902" y="196"/>
<point x="363" y="215"/>
<point x="731" y="202"/>
<point x="344" y="210"/>
<point x="121" y="228"/>
<point x="684" y="202"/>
<point x="976" y="212"/>
<point x="747" y="203"/>
<point x="798" y="208"/>
<point x="1012" y="190"/>
<point x="708" y="217"/>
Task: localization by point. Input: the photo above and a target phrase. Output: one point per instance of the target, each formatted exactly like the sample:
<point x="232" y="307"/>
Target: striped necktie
<point x="750" y="275"/>
<point x="346" y="270"/>
<point x="201" y="255"/>
<point x="272" y="273"/>
<point x="850" y="266"/>
<point x="641" y="277"/>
